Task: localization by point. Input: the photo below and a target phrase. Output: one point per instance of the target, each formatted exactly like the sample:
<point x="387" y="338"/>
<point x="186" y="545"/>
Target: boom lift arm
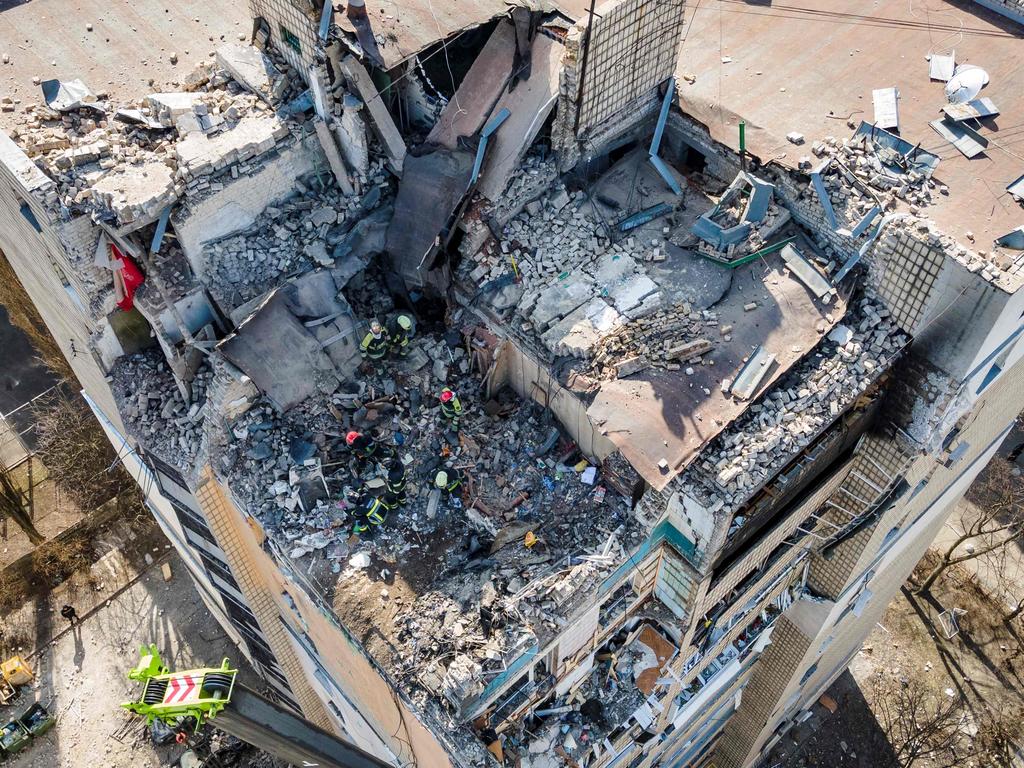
<point x="213" y="694"/>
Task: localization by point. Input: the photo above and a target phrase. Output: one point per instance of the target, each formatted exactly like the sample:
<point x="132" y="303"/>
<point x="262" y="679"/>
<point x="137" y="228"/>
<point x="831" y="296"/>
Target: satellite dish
<point x="966" y="84"/>
<point x="966" y="67"/>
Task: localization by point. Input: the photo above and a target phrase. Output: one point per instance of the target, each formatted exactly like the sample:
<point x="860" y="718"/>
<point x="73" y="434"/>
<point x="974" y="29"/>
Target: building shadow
<point x="850" y="736"/>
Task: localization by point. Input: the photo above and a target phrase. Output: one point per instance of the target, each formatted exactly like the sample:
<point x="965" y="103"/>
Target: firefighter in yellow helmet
<point x="400" y="331"/>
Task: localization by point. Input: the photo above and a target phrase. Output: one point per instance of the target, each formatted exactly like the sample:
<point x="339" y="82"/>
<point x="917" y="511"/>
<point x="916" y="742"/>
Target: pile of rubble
<point x="123" y="162"/>
<point x="865" y="172"/>
<point x="304" y="232"/>
<point x="154" y="410"/>
<point x="807" y="400"/>
<point x="551" y="238"/>
<point x="668" y="339"/>
<point x="531" y="178"/>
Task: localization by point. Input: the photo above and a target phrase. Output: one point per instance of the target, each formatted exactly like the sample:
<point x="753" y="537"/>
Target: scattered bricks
<point x="795" y="138"/>
<point x="725" y="330"/>
<point x="750" y="307"/>
<point x="631" y="366"/>
<point x="691" y="349"/>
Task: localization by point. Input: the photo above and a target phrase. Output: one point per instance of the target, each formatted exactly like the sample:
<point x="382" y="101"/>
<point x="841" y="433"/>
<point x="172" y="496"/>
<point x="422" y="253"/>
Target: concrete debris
<point x="154" y="410"/>
<point x="663" y="339"/>
<point x="804" y="402"/>
<point x="125" y="171"/>
<point x="305" y="230"/>
<point x="861" y="176"/>
<point x="254" y="70"/>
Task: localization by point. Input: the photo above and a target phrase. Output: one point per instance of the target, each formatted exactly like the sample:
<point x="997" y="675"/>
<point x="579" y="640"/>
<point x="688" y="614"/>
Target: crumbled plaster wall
<point x="240" y="195"/>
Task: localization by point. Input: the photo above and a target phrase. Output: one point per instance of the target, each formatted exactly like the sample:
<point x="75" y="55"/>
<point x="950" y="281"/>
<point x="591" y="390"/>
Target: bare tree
<point x="12" y="505"/>
<point x="76" y="451"/>
<point x="998" y="497"/>
<point x="921" y="725"/>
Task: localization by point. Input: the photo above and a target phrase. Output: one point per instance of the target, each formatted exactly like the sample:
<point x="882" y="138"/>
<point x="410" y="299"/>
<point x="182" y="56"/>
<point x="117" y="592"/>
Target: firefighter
<point x="396" y="480"/>
<point x="375" y="343"/>
<point x="370" y="512"/>
<point x="390" y="501"/>
<point x="400" y="331"/>
<point x="366" y="448"/>
<point x="449" y="480"/>
<point x="451" y="407"/>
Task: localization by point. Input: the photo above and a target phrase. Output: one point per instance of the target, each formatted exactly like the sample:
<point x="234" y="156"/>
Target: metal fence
<point x="18" y="430"/>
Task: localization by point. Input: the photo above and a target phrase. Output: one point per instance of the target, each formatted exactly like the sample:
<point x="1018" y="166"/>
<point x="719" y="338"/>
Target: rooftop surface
<point x="809" y="67"/>
<point x="51" y="39"/>
<point x="403" y="28"/>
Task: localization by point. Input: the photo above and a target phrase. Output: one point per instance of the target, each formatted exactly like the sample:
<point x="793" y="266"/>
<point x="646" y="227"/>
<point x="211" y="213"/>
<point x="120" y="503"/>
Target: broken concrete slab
<point x="168" y="107"/>
<point x="280" y="355"/>
<point x="630" y="294"/>
<point x="383" y="124"/>
<point x="579" y="331"/>
<point x="465" y="114"/>
<point x="350" y="132"/>
<point x="561" y="298"/>
<point x="631" y="366"/>
<point x="135" y="194"/>
<point x="529" y="104"/>
<point x="202" y="155"/>
<point x="330" y="148"/>
<point x="252" y="69"/>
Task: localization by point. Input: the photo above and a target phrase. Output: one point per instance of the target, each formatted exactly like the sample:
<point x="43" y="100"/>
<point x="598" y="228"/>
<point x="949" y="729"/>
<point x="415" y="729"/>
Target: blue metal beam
<point x="325" y="19"/>
<point x="826" y="203"/>
<point x="161" y="227"/>
<point x="662" y="169"/>
<point x="864" y="223"/>
<point x="485" y="135"/>
<point x="659" y="131"/>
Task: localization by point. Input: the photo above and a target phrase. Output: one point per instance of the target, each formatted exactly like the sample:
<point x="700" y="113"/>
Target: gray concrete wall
<point x="42" y="262"/>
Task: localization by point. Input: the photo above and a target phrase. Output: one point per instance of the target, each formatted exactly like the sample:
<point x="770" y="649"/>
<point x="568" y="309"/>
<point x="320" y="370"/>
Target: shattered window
<point x="291" y="39"/>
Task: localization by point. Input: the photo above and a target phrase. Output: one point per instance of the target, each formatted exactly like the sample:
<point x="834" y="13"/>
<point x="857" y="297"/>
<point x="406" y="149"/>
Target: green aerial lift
<point x="185" y="700"/>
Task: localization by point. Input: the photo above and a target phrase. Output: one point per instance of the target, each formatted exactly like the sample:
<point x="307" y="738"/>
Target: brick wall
<point x="631" y="50"/>
<point x="773" y="672"/>
<point x="296" y="17"/>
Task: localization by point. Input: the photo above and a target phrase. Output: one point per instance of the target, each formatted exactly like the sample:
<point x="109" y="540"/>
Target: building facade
<point x="776" y="436"/>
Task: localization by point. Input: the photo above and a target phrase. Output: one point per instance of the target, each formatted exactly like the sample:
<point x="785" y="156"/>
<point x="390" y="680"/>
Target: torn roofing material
<point x="431" y="189"/>
<point x="904" y="156"/>
<point x="972" y="110"/>
<point x="969" y="142"/>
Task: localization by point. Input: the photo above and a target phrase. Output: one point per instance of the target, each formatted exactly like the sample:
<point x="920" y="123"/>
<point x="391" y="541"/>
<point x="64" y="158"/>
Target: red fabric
<point x="130" y="278"/>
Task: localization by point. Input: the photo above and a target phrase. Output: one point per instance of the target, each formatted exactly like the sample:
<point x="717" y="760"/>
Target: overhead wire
<point x="447" y="61"/>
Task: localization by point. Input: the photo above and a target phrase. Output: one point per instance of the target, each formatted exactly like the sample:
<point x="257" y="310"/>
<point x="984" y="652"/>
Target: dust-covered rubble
<point x="154" y="410"/>
<point x="809" y="398"/>
<point x="304" y="231"/>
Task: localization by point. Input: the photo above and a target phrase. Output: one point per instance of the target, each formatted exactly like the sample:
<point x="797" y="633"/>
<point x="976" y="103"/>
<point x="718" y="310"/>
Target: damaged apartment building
<point x="720" y="393"/>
